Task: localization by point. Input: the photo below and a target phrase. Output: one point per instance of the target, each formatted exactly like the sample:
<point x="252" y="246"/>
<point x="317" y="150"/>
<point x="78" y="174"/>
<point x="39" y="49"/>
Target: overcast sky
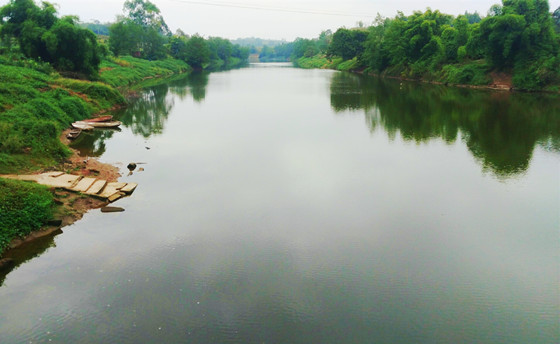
<point x="272" y="19"/>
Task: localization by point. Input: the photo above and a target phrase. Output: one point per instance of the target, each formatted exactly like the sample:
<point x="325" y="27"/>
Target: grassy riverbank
<point x="475" y="73"/>
<point x="36" y="105"/>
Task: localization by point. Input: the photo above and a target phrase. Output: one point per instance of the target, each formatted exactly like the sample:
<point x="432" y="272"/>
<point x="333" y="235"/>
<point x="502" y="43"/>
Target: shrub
<point x="25" y="207"/>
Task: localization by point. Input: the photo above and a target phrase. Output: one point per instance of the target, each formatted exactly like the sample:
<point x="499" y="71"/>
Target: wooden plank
<point x="129" y="188"/>
<point x="96" y="187"/>
<point x="84" y="184"/>
<point x="53" y="174"/>
<point x="109" y="190"/>
<point x="116" y="196"/>
<point x="64" y="181"/>
<point x="118" y="186"/>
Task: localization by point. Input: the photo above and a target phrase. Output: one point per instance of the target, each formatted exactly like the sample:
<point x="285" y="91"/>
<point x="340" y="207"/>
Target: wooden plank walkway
<point x="90" y="186"/>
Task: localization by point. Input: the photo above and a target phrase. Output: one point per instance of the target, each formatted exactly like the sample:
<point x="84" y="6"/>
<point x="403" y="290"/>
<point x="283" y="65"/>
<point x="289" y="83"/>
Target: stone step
<point x="64" y="181"/>
<point x="129" y="188"/>
<point x="84" y="184"/>
<point x="96" y="187"/>
<point x="90" y="186"/>
<point x="111" y="189"/>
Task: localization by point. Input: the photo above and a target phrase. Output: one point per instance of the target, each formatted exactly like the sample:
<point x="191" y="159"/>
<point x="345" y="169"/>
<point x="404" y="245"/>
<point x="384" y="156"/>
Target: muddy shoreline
<point x="71" y="206"/>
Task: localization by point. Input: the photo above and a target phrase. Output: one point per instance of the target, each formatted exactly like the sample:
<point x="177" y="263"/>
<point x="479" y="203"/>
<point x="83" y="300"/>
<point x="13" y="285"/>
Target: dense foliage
<point x="500" y="130"/>
<point x="142" y="32"/>
<point x="128" y="71"/>
<point x="41" y="35"/>
<point x="34" y="108"/>
<point x="211" y="53"/>
<point x="519" y="38"/>
<point x="25" y="207"/>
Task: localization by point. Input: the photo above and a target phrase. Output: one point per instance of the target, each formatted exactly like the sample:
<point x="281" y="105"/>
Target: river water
<point x="280" y="205"/>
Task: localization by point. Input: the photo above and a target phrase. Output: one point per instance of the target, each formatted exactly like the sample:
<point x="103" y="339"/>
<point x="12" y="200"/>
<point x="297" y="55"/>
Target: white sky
<point x="232" y="21"/>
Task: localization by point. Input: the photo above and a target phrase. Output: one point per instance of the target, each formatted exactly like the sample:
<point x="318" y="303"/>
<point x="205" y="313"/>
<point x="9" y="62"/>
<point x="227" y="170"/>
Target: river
<point x="281" y="205"/>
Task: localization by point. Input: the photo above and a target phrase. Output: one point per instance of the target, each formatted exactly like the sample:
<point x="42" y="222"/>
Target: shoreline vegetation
<point x="55" y="70"/>
<point x="28" y="209"/>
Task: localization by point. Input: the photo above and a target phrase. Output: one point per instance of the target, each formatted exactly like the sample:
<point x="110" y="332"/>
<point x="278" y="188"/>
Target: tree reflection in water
<point x="501" y="129"/>
<point x="147" y="115"/>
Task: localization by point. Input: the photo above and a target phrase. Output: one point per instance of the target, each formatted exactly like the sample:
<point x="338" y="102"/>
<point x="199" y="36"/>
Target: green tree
<point x="473" y="18"/>
<point x="197" y="53"/>
<point x="142" y="32"/>
<point x="220" y="50"/>
<point x="240" y="52"/>
<point x="72" y="48"/>
<point x="43" y="36"/>
<point x="303" y="46"/>
<point x="521" y="38"/>
<point x="146" y="14"/>
<point x="556" y="19"/>
<point x="266" y="54"/>
<point x="347" y="43"/>
<point x="325" y="39"/>
<point x="375" y="54"/>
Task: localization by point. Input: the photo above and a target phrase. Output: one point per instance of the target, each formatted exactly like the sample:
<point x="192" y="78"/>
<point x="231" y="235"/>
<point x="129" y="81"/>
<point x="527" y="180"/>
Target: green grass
<point x="349" y="65"/>
<point x="34" y="109"/>
<point x="127" y="71"/>
<point x="24" y="207"/>
<point x="322" y="62"/>
<point x="36" y="104"/>
<point x="470" y="73"/>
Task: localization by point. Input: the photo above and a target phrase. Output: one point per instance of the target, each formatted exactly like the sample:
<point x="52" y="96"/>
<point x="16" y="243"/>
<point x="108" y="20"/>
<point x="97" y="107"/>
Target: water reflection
<point x="146" y="116"/>
<point x="26" y="252"/>
<point x="500" y="129"/>
<point x="93" y="143"/>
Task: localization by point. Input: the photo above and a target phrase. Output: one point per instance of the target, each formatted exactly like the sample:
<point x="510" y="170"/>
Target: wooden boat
<point x="73" y="133"/>
<point x="99" y="119"/>
<point x="112" y="124"/>
<point x="82" y="126"/>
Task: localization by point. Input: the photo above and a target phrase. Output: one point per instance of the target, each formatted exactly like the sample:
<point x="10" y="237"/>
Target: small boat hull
<point x="82" y="126"/>
<point x="106" y="118"/>
<point x="73" y="133"/>
<point x="112" y="124"/>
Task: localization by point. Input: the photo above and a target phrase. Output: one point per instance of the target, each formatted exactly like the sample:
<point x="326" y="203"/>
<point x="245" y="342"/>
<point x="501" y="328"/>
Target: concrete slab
<point x="116" y="196"/>
<point x="118" y="186"/>
<point x="64" y="181"/>
<point x="84" y="184"/>
<point x="109" y="190"/>
<point x="129" y="188"/>
<point x="96" y="187"/>
<point x="90" y="186"/>
<point x="53" y="174"/>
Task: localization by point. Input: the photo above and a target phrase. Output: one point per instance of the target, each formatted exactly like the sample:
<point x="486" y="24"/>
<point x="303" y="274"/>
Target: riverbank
<point x="472" y="74"/>
<point x="36" y="107"/>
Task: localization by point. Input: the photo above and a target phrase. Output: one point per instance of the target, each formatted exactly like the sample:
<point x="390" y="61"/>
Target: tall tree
<point x="142" y="32"/>
<point x="556" y="19"/>
<point x="146" y="14"/>
<point x="197" y="53"/>
<point x="521" y="37"/>
<point x="42" y="35"/>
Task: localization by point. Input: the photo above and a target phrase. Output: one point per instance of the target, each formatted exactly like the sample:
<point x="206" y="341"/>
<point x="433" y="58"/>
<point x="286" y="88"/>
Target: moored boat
<point x="82" y="126"/>
<point x="73" y="133"/>
<point x="106" y="118"/>
<point x="112" y="124"/>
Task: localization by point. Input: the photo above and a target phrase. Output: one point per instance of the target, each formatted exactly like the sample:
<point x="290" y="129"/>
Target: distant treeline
<point x="38" y="33"/>
<point x="520" y="38"/>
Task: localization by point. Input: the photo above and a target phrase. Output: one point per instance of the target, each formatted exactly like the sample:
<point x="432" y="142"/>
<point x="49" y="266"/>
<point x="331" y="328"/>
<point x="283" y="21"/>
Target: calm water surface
<point x="280" y="205"/>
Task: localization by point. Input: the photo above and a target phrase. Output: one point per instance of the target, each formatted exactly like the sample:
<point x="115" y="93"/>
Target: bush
<point x="25" y="207"/>
<point x="473" y="73"/>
